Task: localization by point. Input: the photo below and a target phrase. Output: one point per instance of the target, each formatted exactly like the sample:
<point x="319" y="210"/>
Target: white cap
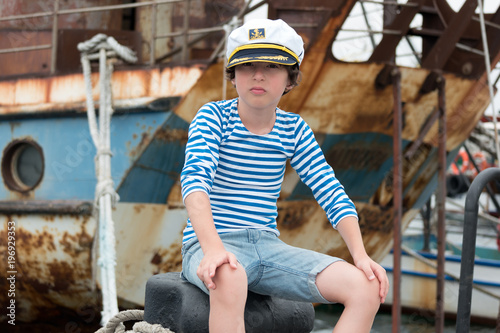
<point x="264" y="40"/>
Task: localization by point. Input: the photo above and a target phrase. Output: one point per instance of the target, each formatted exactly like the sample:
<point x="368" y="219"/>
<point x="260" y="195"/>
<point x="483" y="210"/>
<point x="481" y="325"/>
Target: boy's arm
<point x="215" y="255"/>
<point x="351" y="233"/>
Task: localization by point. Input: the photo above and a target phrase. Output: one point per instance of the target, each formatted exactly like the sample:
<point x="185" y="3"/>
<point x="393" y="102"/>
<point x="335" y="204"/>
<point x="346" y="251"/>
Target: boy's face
<point x="261" y="84"/>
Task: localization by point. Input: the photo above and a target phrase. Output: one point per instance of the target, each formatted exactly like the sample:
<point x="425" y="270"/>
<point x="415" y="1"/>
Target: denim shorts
<point x="273" y="267"/>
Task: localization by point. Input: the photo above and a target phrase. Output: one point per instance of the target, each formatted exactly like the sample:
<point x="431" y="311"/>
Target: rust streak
<point x="294" y="214"/>
<point x="168" y="260"/>
<point x="172" y="135"/>
<point x="54" y="267"/>
<point x="138" y="208"/>
<point x="65" y="92"/>
<point x="137" y="150"/>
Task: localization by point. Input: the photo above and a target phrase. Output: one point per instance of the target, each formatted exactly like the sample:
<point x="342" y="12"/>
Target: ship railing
<point x="186" y="32"/>
<point x="469" y="248"/>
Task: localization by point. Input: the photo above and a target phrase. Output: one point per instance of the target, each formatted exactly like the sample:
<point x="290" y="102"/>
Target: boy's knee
<point x="365" y="296"/>
<point x="373" y="293"/>
<point x="364" y="292"/>
<point x="229" y="277"/>
<point x="230" y="286"/>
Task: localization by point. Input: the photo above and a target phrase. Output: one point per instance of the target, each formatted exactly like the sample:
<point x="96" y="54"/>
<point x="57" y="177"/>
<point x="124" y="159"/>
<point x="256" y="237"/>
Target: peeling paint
<point x="53" y="264"/>
<point x="294" y="214"/>
<point x="172" y="135"/>
<point x="67" y="92"/>
<point x="168" y="260"/>
<point x="145" y="140"/>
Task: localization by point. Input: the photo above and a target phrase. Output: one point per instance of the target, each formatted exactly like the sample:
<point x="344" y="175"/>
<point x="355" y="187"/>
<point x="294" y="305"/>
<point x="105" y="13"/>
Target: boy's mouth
<point x="257" y="90"/>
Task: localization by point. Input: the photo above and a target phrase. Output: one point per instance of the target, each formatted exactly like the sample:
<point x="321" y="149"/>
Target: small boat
<point x="419" y="269"/>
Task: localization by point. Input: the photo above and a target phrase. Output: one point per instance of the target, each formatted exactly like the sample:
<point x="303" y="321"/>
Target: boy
<point x="235" y="162"/>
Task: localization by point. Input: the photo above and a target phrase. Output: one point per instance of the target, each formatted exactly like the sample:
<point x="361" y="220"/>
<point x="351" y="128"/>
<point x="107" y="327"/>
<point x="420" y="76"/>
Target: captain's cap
<point x="264" y="40"/>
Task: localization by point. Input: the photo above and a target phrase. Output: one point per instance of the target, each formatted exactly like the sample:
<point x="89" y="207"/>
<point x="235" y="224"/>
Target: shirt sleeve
<point x="313" y="169"/>
<point x="202" y="151"/>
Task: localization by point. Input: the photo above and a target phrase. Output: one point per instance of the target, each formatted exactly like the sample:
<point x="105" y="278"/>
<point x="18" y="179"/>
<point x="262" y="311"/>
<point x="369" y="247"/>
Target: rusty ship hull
<point x="349" y="106"/>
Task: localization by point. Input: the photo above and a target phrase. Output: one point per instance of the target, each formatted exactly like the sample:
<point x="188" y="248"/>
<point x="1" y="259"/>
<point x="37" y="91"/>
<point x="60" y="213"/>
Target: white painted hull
<point x="419" y="285"/>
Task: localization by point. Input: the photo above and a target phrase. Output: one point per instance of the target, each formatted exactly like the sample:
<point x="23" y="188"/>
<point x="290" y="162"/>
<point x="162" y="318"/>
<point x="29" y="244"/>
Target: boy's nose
<point x="258" y="72"/>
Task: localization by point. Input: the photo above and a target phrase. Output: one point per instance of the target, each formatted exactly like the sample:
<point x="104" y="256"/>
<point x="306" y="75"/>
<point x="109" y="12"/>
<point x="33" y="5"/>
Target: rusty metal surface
<point x="149" y="239"/>
<point x="68" y="56"/>
<point x="462" y="62"/>
<point x="111" y="20"/>
<point x="335" y="106"/>
<point x="375" y="222"/>
<point x="76" y="207"/>
<point x="36" y="31"/>
<point x="444" y="46"/>
<point x="316" y="55"/>
<point x="397" y="202"/>
<point x="36" y="61"/>
<point x="203" y="14"/>
<point x="400" y="23"/>
<point x="138" y="86"/>
<point x="306" y="17"/>
<point x="441" y="201"/>
<point x="53" y="263"/>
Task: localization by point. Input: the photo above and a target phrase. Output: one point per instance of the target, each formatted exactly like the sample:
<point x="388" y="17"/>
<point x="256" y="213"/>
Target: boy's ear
<point x="288" y="88"/>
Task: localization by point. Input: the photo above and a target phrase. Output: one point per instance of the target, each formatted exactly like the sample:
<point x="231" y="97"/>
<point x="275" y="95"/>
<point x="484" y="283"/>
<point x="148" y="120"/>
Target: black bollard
<point x="184" y="308"/>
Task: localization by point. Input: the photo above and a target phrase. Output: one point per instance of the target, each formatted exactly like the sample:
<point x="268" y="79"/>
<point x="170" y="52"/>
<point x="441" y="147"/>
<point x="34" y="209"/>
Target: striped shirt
<point x="242" y="172"/>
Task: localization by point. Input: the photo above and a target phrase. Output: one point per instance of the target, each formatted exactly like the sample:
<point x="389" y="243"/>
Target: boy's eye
<point x="273" y="66"/>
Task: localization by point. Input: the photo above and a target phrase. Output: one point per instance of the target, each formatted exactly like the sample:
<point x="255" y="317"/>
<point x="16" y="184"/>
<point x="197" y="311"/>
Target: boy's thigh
<point x="192" y="254"/>
<point x="290" y="272"/>
<point x="273" y="267"/>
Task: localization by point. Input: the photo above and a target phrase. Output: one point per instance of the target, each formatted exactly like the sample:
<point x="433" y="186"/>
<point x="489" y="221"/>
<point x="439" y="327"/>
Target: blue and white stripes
<point x="242" y="172"/>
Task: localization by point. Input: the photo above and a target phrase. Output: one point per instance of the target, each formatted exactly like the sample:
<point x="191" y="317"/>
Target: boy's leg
<point x="343" y="283"/>
<point x="227" y="300"/>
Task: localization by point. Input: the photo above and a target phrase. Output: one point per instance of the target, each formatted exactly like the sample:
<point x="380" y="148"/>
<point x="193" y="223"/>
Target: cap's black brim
<point x="261" y="55"/>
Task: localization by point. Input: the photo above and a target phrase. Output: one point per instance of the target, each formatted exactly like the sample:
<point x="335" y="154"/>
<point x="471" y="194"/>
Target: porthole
<point x="22" y="165"/>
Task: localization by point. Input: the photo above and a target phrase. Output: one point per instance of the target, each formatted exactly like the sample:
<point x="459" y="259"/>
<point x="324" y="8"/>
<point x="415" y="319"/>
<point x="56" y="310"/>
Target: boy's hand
<point x="374" y="270"/>
<point x="209" y="264"/>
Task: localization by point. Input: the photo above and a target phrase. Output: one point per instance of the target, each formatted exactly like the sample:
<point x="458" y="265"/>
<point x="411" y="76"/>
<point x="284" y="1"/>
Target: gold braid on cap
<point x="263" y="46"/>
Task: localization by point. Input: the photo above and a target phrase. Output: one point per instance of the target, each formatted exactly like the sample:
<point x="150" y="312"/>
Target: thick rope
<point x="100" y="41"/>
<point x="115" y="324"/>
<point x="105" y="194"/>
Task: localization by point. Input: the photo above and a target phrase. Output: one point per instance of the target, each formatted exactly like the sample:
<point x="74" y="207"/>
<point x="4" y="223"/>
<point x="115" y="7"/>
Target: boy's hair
<point x="294" y="75"/>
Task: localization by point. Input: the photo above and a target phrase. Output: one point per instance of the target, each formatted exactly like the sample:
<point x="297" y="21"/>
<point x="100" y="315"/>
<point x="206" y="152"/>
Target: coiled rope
<point x="100" y="47"/>
<point x="115" y="324"/>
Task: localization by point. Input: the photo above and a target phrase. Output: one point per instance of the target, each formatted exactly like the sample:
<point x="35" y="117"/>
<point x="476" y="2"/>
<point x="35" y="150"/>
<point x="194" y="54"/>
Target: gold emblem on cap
<point x="257" y="33"/>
